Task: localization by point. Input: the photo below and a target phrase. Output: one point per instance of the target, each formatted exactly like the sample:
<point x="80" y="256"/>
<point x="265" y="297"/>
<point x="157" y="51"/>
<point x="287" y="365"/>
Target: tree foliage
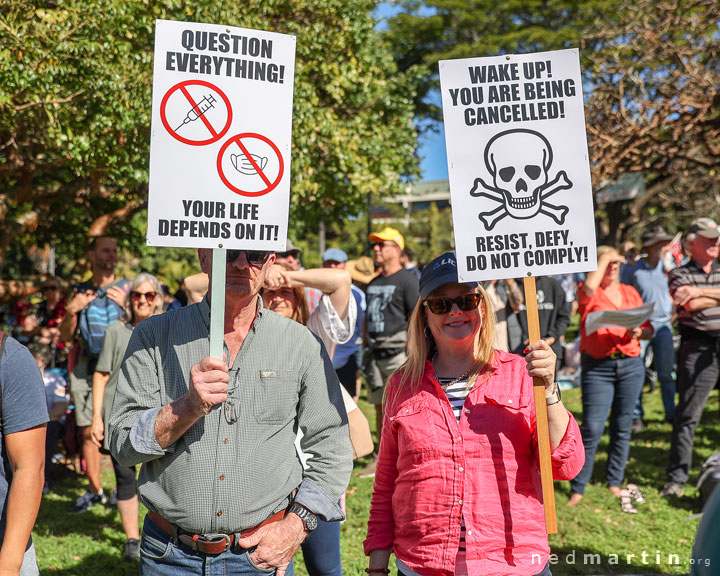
<point x="75" y="97"/>
<point x="651" y="80"/>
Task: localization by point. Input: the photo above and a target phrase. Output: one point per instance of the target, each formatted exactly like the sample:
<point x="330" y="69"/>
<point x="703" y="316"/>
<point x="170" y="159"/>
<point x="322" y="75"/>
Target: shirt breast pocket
<point x="417" y="428"/>
<point x="276" y="396"/>
<point x="504" y="420"/>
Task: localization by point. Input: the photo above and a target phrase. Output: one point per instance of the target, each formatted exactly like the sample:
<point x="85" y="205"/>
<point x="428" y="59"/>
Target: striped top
<point x="456" y="395"/>
<point x="236" y="466"/>
<point x="700" y="323"/>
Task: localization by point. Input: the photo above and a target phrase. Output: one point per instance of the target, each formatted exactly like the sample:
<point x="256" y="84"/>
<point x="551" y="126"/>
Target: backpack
<point x="96" y="317"/>
<point x="709" y="477"/>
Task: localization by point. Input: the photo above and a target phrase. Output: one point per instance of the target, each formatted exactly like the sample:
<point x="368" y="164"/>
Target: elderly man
<point x="695" y="289"/>
<point x="220" y="476"/>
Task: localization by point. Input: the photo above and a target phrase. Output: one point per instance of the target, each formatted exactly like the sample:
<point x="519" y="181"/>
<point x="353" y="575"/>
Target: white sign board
<point x="221" y="137"/>
<point x="518" y="165"/>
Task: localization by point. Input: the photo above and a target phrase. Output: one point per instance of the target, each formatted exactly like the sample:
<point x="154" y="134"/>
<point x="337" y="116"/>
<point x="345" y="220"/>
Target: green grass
<point x="90" y="544"/>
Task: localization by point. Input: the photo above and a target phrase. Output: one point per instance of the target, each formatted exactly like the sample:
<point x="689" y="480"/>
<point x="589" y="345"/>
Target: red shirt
<point x="605" y="341"/>
<point x="433" y="471"/>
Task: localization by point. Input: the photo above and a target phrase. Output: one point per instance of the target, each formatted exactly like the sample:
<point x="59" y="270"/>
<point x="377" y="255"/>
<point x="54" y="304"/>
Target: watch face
<point x="311" y="522"/>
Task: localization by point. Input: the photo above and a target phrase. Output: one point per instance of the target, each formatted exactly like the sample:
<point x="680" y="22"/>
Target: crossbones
<point x="519" y="161"/>
<point x="557" y="213"/>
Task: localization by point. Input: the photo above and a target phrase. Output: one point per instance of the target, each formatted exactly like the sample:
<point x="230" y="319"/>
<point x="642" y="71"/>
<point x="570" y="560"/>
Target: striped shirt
<point x="456" y="394"/>
<point x="700" y="322"/>
<point x="236" y="466"/>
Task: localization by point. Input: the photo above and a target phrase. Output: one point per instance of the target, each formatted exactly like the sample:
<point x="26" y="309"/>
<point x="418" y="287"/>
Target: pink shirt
<point x="432" y="471"/>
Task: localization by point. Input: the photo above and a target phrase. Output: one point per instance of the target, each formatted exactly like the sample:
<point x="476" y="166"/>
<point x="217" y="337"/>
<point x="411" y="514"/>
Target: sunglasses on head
<point x="444" y="305"/>
<point x="254" y="257"/>
<point x="137" y="296"/>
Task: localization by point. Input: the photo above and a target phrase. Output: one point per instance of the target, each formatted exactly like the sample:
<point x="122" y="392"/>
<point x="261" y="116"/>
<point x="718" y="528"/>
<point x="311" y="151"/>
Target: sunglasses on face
<point x="137" y="296"/>
<point x="49" y="288"/>
<point x="254" y="257"/>
<point x="444" y="305"/>
<point x="382" y="244"/>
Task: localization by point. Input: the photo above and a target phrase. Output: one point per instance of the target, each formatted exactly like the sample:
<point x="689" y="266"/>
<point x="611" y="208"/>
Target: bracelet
<point x="378" y="570"/>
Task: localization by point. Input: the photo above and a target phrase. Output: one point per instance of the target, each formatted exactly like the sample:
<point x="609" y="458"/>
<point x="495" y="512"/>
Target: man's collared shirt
<point x="238" y="465"/>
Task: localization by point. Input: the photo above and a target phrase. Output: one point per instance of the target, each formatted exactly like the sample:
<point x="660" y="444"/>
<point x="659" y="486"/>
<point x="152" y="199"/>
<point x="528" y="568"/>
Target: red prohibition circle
<point x="181" y="86"/>
<point x="270" y="185"/>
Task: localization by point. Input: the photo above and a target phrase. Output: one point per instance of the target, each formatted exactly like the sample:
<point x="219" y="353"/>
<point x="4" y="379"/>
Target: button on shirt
<point x="236" y="466"/>
<point x="434" y="472"/>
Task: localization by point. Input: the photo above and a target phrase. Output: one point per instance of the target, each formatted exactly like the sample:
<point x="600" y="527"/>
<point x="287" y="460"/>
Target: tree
<point x="651" y="81"/>
<point x="424" y="33"/>
<point x="655" y="107"/>
<point x="75" y="98"/>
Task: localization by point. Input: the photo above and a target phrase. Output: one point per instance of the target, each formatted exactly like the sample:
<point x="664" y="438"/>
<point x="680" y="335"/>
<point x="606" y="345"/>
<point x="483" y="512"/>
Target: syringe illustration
<point x="198" y="110"/>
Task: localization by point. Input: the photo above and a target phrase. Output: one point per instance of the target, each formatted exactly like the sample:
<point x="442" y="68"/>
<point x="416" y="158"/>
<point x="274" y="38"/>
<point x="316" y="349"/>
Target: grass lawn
<point x="595" y="538"/>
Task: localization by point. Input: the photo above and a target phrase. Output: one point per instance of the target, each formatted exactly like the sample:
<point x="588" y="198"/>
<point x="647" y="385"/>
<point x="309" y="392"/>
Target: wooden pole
<point x="541" y="420"/>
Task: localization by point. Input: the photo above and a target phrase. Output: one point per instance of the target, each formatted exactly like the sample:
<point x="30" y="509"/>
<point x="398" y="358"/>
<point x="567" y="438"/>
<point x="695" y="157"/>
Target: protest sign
<point x="221" y="137"/>
<point x="518" y="165"/>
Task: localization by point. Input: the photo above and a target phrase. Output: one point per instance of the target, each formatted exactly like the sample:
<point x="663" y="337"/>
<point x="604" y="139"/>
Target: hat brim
<point x="656" y="239"/>
<point x="447" y="278"/>
<point x="710" y="234"/>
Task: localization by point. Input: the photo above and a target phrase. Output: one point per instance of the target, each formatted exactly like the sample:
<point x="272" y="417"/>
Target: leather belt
<point x="208" y="543"/>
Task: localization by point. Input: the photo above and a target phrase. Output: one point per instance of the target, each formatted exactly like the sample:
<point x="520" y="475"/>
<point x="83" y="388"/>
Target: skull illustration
<point x="519" y="161"/>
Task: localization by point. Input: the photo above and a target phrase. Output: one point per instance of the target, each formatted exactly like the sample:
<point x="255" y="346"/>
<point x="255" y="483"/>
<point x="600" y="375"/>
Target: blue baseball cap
<point x="335" y="254"/>
<point x="440" y="271"/>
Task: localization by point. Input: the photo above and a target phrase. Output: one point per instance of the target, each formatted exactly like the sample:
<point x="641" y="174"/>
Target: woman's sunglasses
<point x="444" y="305"/>
<point x="137" y="296"/>
<point x="254" y="257"/>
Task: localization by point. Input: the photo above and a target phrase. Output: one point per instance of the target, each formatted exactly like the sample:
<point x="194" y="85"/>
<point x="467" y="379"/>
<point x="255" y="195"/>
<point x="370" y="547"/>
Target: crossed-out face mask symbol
<point x="519" y="161"/>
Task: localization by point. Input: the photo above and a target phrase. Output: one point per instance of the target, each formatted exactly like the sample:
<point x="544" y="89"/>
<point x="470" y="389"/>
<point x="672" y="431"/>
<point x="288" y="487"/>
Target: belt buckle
<point x="616" y="355"/>
<point x="215" y="538"/>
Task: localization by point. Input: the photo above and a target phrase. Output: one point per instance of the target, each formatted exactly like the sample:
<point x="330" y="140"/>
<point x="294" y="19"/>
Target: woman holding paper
<point x="457" y="486"/>
<point x="612" y="371"/>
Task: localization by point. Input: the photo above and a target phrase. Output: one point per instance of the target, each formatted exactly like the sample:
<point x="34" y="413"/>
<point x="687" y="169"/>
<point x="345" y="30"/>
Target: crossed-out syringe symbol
<point x="198" y="110"/>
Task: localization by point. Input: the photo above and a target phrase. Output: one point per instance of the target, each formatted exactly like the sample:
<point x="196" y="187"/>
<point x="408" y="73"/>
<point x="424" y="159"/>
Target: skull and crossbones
<point x="519" y="161"/>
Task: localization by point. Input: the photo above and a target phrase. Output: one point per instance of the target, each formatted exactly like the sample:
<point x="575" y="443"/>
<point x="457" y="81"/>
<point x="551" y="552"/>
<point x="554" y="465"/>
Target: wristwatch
<point x="308" y="518"/>
<point x="554" y="397"/>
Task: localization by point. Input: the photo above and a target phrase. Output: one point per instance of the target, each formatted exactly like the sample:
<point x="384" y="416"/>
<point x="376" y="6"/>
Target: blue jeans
<point x="607" y="384"/>
<point x="160" y="557"/>
<point x="664" y="357"/>
<point x="321" y="550"/>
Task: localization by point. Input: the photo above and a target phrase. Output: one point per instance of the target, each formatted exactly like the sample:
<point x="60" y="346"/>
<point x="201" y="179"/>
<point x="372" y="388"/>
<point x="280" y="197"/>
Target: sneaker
<point x="87" y="501"/>
<point x="112" y="501"/>
<point x="674" y="489"/>
<point x="131" y="550"/>
<point x="638" y="425"/>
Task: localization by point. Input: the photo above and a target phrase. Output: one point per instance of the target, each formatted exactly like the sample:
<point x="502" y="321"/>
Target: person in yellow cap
<point x="391" y="297"/>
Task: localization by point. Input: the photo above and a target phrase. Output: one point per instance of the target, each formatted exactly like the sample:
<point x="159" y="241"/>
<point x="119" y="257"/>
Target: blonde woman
<point x="457" y="487"/>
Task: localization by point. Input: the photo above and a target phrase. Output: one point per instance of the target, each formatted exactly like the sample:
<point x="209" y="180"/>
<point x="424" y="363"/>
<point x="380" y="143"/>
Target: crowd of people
<point x="245" y="458"/>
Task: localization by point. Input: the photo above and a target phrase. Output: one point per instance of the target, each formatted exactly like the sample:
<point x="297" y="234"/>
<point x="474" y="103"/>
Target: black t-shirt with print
<point x="390" y="301"/>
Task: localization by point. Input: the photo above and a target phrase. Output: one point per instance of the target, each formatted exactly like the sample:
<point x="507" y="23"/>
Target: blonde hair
<point x="421" y="346"/>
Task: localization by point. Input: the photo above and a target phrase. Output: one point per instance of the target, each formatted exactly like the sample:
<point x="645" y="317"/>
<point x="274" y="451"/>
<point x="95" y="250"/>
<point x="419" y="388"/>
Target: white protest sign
<point x="221" y="137"/>
<point x="518" y="165"/>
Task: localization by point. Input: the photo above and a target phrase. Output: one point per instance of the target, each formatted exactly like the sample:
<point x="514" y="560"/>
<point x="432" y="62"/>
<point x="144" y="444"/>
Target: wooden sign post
<point x="541" y="419"/>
